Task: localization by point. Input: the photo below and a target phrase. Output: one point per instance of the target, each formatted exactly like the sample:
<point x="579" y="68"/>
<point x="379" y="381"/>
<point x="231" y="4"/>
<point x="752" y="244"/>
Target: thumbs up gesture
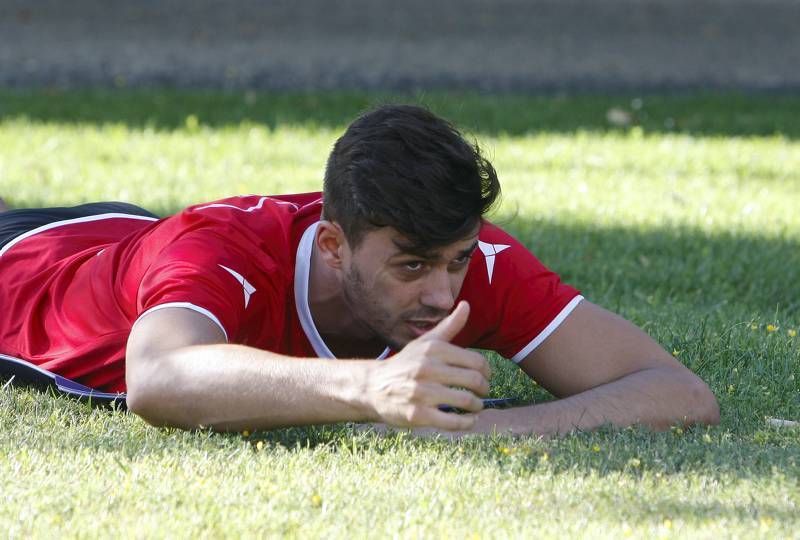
<point x="408" y="389"/>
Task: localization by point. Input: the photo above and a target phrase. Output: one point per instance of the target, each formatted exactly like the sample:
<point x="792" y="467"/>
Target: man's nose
<point x="437" y="292"/>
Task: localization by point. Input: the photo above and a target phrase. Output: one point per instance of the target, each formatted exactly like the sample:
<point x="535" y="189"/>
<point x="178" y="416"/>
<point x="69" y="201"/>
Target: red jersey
<point x="72" y="290"/>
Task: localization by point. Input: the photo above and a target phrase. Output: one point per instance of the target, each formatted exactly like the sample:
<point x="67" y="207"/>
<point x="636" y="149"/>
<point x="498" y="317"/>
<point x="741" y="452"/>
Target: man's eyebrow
<point x="408" y="249"/>
<point x="429" y="254"/>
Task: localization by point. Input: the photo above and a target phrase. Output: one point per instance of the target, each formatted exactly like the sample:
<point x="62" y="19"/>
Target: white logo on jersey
<point x="248" y="288"/>
<point x="489" y="251"/>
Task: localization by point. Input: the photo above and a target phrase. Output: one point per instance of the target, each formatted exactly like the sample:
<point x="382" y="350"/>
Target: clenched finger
<point x="464" y="378"/>
<point x="459" y="399"/>
<point x="463" y="358"/>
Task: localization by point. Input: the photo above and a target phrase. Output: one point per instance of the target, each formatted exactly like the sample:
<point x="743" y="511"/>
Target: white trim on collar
<point x="302" y="272"/>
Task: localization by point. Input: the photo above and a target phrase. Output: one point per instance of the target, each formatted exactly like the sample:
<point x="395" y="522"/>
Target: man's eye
<point x="414" y="266"/>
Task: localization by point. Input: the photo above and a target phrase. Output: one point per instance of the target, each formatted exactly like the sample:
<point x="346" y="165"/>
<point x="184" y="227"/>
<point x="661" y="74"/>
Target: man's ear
<point x="331" y="243"/>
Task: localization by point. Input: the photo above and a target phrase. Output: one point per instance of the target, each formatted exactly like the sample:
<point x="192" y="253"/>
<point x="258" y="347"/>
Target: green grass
<point x="688" y="227"/>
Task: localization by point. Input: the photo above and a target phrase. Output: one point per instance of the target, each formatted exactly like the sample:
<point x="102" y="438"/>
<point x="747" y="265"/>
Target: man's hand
<point x="407" y="390"/>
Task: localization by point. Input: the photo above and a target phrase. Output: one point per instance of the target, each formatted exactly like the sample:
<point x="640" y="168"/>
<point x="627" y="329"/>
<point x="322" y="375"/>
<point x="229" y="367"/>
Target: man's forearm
<point x="231" y="387"/>
<point x="657" y="398"/>
<point x="179" y="374"/>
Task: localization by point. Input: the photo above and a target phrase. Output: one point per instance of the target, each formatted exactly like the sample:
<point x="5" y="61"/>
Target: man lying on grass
<point x="228" y="314"/>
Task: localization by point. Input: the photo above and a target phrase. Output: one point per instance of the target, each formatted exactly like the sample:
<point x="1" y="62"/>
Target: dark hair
<point x="401" y="166"/>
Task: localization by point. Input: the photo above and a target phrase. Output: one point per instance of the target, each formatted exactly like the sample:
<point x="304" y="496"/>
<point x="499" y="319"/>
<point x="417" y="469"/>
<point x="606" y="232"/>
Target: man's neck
<point x="344" y="335"/>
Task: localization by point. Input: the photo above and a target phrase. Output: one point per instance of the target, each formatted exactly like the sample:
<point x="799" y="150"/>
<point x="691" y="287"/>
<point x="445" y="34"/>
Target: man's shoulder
<point x="255" y="222"/>
<point x="235" y="258"/>
<point x="249" y="239"/>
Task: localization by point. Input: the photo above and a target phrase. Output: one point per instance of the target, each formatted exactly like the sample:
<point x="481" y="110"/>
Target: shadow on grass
<point x="634" y="452"/>
<point x="637" y="452"/>
<point x="696" y="114"/>
<point x="41" y="421"/>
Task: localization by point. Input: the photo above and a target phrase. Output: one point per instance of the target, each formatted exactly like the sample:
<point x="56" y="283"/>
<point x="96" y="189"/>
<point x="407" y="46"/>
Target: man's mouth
<point x="419" y="327"/>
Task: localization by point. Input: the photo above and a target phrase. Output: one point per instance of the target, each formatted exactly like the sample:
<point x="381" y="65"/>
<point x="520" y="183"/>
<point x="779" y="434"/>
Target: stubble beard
<point x="367" y="311"/>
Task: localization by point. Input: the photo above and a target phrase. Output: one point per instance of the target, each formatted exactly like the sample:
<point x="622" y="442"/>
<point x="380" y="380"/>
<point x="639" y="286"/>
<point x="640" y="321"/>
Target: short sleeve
<point x="516" y="302"/>
<point x="203" y="272"/>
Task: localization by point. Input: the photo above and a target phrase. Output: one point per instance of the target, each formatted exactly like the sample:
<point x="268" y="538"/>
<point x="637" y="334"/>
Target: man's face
<point x="400" y="293"/>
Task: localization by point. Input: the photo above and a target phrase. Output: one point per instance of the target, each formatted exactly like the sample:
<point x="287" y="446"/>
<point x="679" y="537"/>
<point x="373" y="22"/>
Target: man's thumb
<point x="451" y="325"/>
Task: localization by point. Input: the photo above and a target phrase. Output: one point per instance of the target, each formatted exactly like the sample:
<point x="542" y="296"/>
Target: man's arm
<point x="180" y="372"/>
<point x="606" y="371"/>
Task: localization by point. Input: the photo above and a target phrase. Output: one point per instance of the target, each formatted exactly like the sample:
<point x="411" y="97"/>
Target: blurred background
<point x="500" y="45"/>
